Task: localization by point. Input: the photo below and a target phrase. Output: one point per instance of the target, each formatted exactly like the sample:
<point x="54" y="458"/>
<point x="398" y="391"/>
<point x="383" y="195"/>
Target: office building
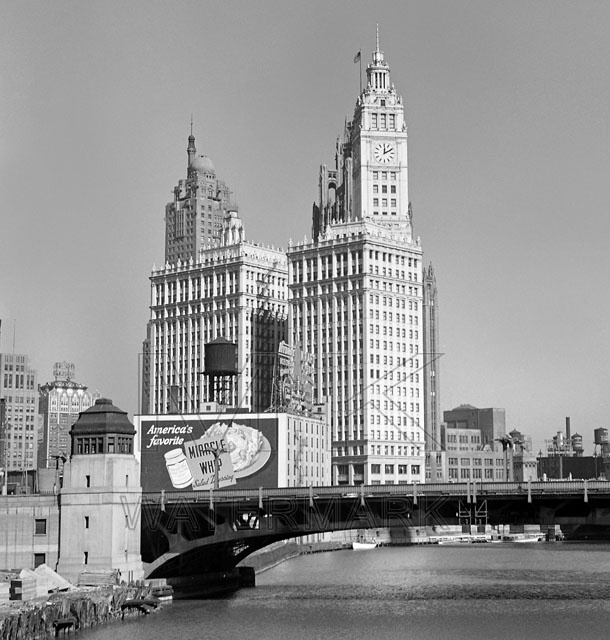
<point x="230" y="290"/>
<point x="461" y="422"/>
<point x="194" y="219"/>
<point x="60" y="403"/>
<point x="19" y="434"/>
<point x="357" y="296"/>
<point x="431" y="373"/>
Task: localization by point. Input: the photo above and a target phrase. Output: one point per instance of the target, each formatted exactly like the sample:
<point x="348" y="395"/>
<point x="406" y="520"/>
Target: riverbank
<point x="91" y="606"/>
<point x="84" y="608"/>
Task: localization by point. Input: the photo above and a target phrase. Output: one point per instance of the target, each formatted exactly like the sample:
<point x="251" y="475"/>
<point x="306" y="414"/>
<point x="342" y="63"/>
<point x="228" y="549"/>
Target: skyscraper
<point x="193" y="220"/>
<point x="19" y="389"/>
<point x="432" y="412"/>
<point x="357" y="295"/>
<point x="225" y="287"/>
<point x="60" y="404"/>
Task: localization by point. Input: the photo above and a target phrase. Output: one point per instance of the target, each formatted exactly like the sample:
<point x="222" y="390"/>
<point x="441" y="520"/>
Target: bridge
<point x="193" y="534"/>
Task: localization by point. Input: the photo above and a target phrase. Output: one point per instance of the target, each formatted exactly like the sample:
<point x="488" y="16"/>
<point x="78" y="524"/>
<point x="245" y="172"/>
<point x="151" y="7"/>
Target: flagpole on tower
<point x="358" y="58"/>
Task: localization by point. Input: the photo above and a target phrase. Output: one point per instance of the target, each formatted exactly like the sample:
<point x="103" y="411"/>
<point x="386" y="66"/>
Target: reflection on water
<point x="541" y="591"/>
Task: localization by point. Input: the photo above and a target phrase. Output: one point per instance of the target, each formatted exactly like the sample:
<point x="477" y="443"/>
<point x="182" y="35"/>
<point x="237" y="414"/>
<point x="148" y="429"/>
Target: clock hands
<point x="384" y="152"/>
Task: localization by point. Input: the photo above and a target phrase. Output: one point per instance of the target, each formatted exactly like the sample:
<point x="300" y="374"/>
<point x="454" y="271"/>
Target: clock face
<point x="384" y="152"/>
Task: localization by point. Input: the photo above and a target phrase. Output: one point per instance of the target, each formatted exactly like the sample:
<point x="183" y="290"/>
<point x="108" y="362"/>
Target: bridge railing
<point x="479" y="488"/>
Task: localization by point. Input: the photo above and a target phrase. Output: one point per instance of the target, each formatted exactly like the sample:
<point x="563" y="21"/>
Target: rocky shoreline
<point x="84" y="608"/>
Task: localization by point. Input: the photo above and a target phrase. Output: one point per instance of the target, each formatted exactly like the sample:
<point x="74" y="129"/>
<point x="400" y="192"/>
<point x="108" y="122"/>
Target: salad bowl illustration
<point x="248" y="447"/>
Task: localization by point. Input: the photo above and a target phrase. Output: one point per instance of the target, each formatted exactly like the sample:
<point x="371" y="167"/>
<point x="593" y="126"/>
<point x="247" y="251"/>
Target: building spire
<point x="378" y="72"/>
<point x="191" y="151"/>
<point x="378" y="55"/>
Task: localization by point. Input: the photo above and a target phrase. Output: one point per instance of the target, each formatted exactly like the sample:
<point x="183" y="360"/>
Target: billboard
<point x="191" y="453"/>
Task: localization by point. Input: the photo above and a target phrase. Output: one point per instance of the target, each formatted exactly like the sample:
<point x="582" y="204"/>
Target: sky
<point x="507" y="106"/>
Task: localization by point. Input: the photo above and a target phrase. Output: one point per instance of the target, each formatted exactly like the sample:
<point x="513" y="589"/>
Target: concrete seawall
<point x="275" y="554"/>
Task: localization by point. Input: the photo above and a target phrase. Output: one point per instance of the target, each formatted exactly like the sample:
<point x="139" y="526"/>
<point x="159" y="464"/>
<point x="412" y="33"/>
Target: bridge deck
<point x="473" y="488"/>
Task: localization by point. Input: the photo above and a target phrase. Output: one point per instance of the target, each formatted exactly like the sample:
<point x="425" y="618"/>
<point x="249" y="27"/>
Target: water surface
<point x="491" y="591"/>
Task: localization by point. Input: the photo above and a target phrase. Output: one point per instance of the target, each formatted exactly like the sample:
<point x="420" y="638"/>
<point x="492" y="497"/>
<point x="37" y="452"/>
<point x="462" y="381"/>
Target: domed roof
<point x="103" y="417"/>
<point x="202" y="164"/>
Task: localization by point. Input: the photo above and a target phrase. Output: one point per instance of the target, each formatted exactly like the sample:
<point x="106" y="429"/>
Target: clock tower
<point x="370" y="179"/>
<point x="357" y="298"/>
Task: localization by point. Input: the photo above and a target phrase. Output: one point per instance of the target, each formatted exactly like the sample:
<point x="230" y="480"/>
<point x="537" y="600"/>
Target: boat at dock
<point x="524" y="537"/>
<point x="460" y="539"/>
<point x="364" y="544"/>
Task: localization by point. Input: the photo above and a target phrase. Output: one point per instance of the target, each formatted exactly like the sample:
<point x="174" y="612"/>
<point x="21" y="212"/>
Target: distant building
<point x="565" y="457"/>
<point x="490" y="422"/>
<point x="566" y="443"/>
<point x="468" y="465"/>
<point x="572" y="467"/>
<point x="59" y="406"/>
<point x="19" y="433"/>
<point x="431" y="372"/>
<point x="475" y="447"/>
<point x="194" y="219"/>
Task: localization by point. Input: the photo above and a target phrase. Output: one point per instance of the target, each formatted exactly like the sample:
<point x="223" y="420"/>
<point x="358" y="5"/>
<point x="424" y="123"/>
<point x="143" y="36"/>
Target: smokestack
<point x="568" y="428"/>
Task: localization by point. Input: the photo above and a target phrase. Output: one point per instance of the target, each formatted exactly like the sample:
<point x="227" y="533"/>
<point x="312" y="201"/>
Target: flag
<point x="357" y="56"/>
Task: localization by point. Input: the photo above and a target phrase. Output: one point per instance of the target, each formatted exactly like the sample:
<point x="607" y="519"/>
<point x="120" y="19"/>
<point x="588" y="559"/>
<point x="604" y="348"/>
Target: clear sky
<point x="508" y="108"/>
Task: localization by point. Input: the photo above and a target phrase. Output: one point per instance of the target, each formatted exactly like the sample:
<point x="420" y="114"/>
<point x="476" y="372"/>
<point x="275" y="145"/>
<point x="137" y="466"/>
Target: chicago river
<point x="493" y="591"/>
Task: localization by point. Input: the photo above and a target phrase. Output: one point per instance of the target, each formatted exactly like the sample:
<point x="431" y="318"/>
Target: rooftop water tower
<point x="220" y="370"/>
<point x="601" y="440"/>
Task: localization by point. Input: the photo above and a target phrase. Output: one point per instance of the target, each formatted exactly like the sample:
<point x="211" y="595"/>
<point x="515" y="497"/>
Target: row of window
<point x="29" y="399"/>
<point x="383" y="121"/>
<point x="392" y="301"/>
<point x="463" y="439"/>
<point x="384" y="202"/>
<point x="385" y="175"/>
<point x="384" y="188"/>
<point x="403" y="469"/>
<point x="342" y="264"/>
<point x="465" y="474"/>
<point x="488" y="462"/>
<point x="389" y="331"/>
<point x="95" y="444"/>
<point x="19" y="381"/>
